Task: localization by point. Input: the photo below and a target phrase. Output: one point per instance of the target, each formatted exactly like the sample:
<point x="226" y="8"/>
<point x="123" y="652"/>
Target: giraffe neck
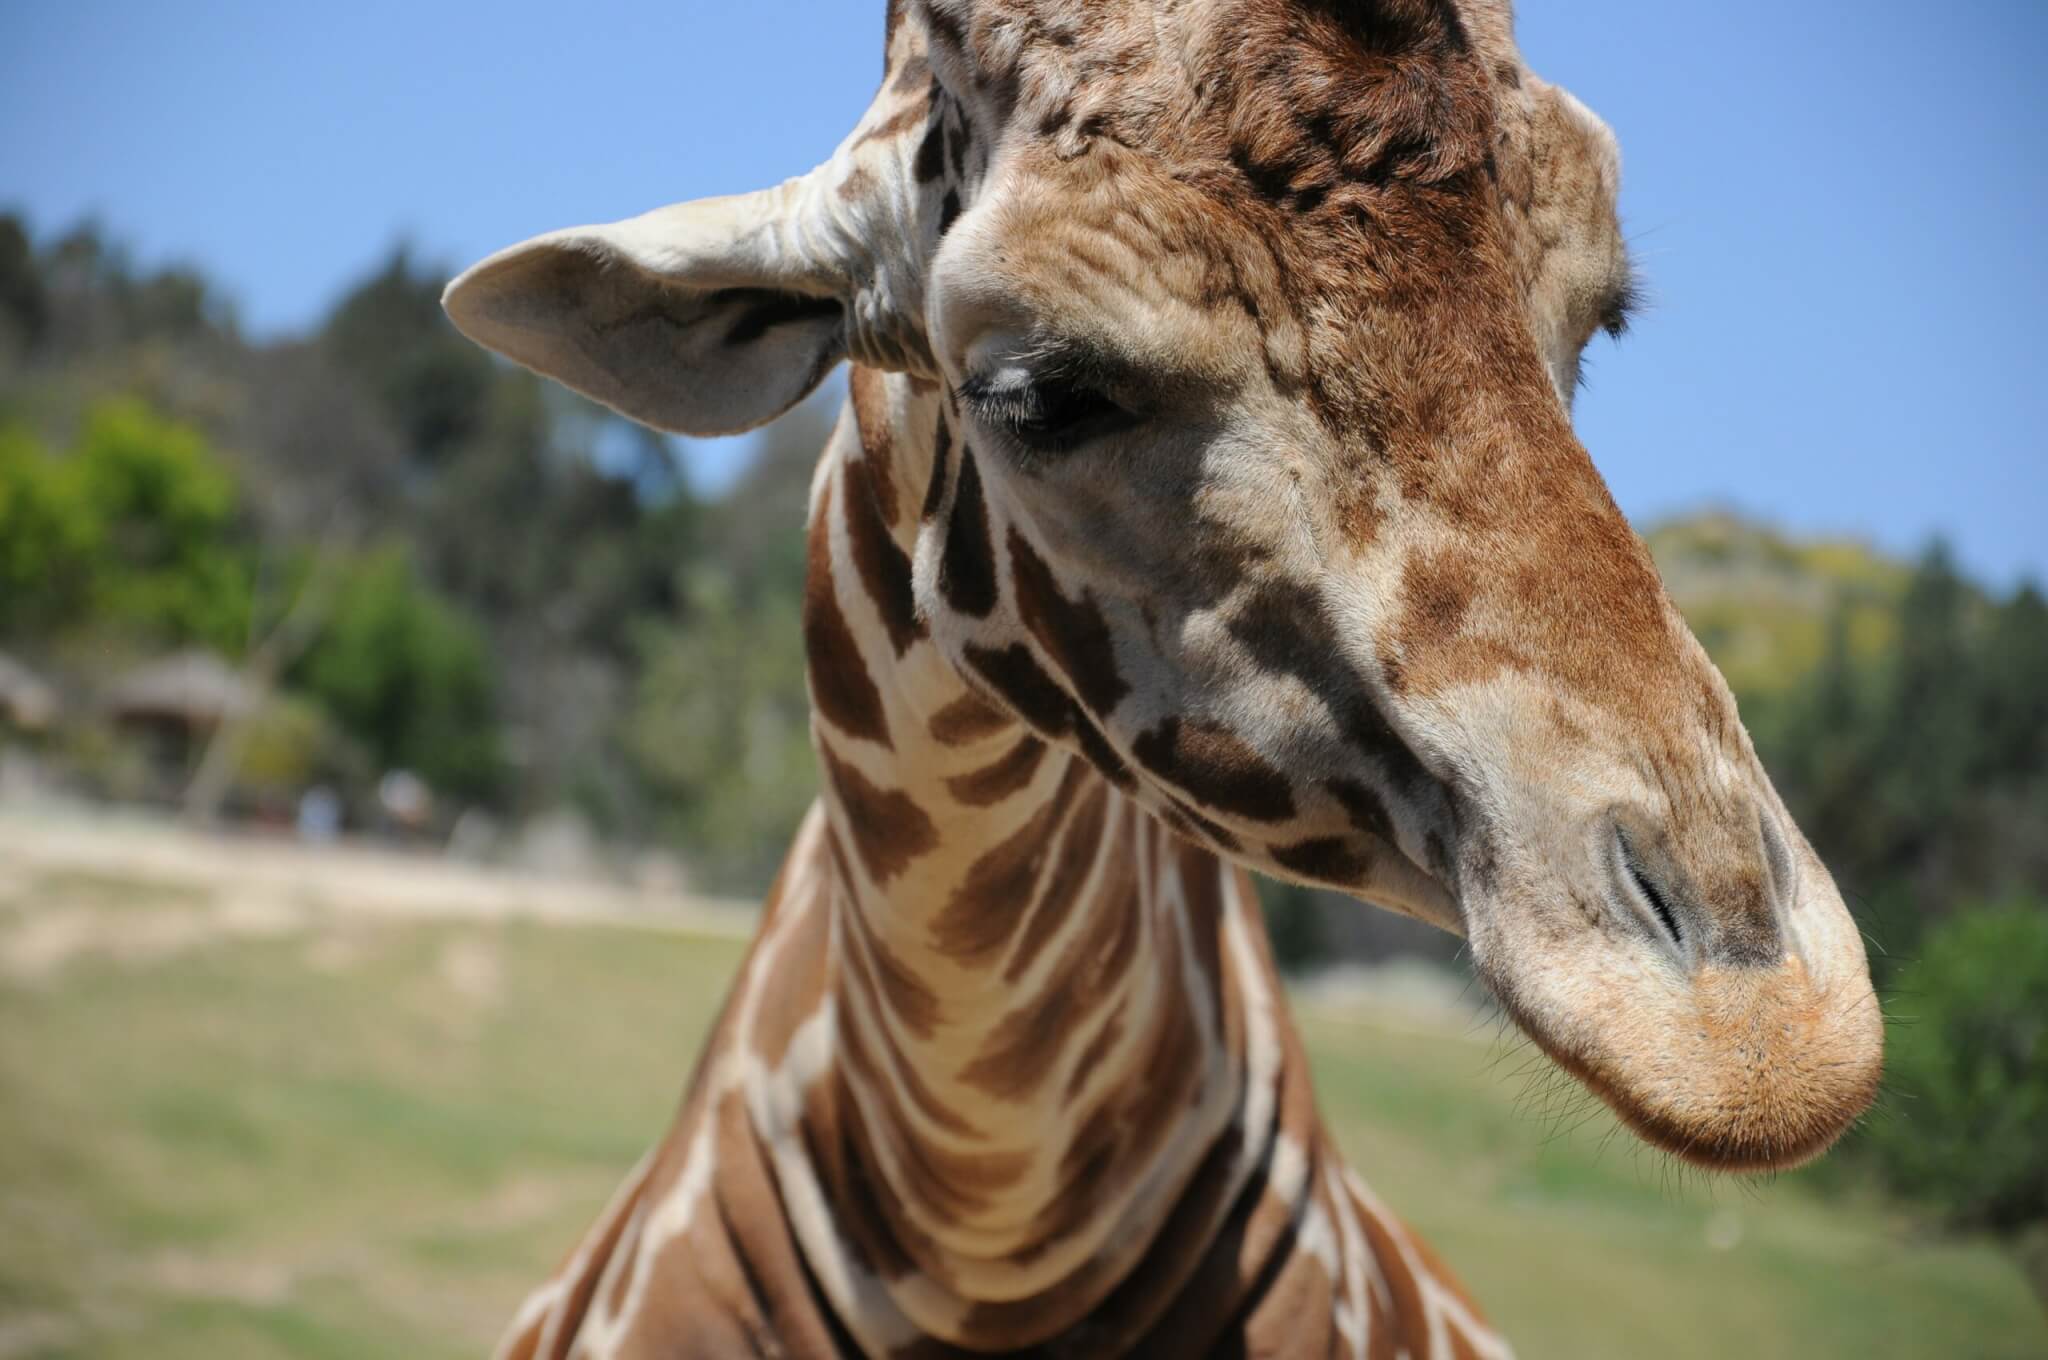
<point x="1043" y="1012"/>
<point x="1006" y="1070"/>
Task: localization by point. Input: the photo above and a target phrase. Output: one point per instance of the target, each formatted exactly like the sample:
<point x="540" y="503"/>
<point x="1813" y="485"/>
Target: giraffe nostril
<point x="1647" y="887"/>
<point x="1639" y="883"/>
<point x="1778" y="863"/>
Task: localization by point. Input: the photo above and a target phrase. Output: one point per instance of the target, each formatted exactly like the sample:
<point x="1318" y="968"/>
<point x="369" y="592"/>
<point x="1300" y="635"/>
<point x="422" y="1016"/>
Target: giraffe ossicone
<point x="1207" y="498"/>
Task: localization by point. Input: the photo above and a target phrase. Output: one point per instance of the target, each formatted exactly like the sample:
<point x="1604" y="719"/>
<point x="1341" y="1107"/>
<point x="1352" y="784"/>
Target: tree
<point x="1927" y="738"/>
<point x="2013" y="723"/>
<point x="2013" y="720"/>
<point x="164" y="556"/>
<point x="1293" y="925"/>
<point x="45" y="539"/>
<point x="1971" y="1071"/>
<point x="136" y="530"/>
<point x="720" y="728"/>
<point x="408" y="675"/>
<point x="1921" y="774"/>
<point x="24" y="307"/>
<point x="433" y="384"/>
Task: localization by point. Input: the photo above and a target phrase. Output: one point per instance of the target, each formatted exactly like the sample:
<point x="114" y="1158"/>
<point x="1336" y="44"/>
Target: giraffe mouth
<point x="1736" y="1069"/>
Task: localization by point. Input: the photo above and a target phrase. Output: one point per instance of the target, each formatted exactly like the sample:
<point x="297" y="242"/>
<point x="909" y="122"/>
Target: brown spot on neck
<point x="968" y="719"/>
<point x="868" y="391"/>
<point x="888" y="829"/>
<point x="998" y="780"/>
<point x="875" y="967"/>
<point x="990" y="902"/>
<point x="843" y="692"/>
<point x="1060" y="894"/>
<point x="883" y="566"/>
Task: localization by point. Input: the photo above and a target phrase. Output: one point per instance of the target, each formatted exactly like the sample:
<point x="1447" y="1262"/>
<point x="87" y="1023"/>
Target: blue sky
<point x="1841" y="210"/>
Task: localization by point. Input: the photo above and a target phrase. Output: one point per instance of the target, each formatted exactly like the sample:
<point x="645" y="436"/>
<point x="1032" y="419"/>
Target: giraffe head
<point x="1254" y="326"/>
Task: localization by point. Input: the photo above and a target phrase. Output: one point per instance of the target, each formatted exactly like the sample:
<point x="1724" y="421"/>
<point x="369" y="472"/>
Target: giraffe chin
<point x="1734" y="1069"/>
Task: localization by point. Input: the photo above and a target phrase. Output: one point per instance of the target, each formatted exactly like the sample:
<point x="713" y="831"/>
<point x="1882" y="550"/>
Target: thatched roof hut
<point x="190" y="689"/>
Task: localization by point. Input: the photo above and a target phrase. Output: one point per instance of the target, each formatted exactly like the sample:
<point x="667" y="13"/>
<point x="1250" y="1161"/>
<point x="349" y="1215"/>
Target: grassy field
<point x="233" y="1127"/>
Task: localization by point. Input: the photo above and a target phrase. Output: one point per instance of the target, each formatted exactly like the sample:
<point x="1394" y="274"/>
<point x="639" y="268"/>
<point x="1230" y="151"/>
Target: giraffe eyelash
<point x="1622" y="305"/>
<point x="1050" y="413"/>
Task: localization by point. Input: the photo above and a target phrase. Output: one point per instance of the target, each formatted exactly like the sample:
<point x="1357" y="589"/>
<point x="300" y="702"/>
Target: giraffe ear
<point x="703" y="318"/>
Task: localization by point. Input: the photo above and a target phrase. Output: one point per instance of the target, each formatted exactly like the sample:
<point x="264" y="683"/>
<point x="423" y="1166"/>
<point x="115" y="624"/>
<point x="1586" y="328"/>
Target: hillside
<point x="1762" y="602"/>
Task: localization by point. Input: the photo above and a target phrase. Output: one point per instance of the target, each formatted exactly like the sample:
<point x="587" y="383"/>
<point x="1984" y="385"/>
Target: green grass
<point x="1580" y="1242"/>
<point x="368" y="1138"/>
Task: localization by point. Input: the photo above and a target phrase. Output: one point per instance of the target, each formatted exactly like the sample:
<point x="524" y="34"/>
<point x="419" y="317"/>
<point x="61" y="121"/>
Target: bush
<point x="720" y="730"/>
<point x="288" y="745"/>
<point x="137" y="528"/>
<point x="1291" y="924"/>
<point x="166" y="556"/>
<point x="407" y="673"/>
<point x="1969" y="1071"/>
<point x="45" y="537"/>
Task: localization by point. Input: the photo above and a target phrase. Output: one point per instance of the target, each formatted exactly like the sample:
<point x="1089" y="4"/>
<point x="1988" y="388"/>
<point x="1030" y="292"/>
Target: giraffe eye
<point x="1046" y="413"/>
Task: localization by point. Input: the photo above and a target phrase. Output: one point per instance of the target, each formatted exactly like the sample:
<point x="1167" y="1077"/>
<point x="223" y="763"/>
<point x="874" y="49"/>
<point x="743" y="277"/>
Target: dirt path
<point x="76" y="882"/>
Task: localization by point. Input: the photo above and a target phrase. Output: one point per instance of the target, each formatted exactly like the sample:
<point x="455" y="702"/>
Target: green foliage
<point x="80" y="301"/>
<point x="24" y="309"/>
<point x="408" y="675"/>
<point x="45" y="538"/>
<point x="136" y="529"/>
<point x="435" y="385"/>
<point x="1968" y="1070"/>
<point x="289" y="745"/>
<point x="164" y="556"/>
<point x="2013" y="700"/>
<point x="1292" y="925"/>
<point x="720" y="728"/>
<point x="1920" y="772"/>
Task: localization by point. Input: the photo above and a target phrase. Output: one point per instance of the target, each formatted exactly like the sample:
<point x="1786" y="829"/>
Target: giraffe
<point x="1206" y="499"/>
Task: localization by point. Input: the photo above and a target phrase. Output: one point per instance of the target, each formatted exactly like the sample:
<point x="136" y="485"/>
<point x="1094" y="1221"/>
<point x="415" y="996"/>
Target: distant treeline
<point x="521" y="598"/>
<point x="451" y="567"/>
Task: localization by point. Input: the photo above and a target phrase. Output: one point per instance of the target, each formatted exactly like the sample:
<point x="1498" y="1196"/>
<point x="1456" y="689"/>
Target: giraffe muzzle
<point x="1723" y="1010"/>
